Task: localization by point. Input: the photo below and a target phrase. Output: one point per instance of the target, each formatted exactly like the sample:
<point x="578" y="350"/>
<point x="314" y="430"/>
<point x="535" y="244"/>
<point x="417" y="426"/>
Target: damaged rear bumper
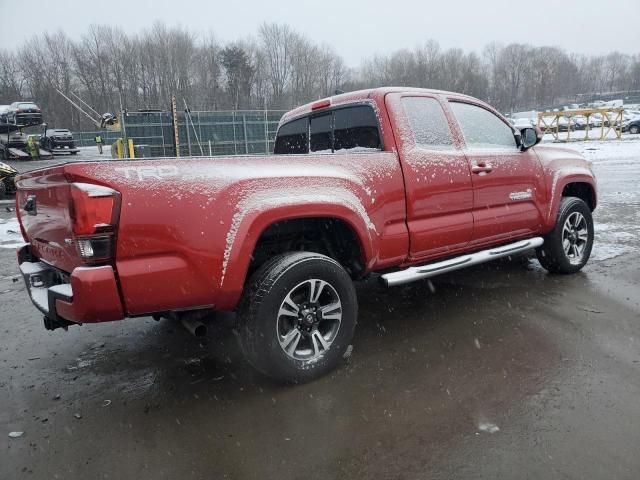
<point x="86" y="295"/>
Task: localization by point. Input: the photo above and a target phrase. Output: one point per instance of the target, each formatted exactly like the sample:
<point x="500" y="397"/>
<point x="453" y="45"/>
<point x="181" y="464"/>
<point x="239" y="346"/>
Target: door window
<point x="428" y="124"/>
<point x="482" y="130"/>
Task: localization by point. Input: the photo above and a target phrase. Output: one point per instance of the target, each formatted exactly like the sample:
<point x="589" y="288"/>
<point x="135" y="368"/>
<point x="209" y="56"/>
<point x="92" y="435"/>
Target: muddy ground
<point x="502" y="371"/>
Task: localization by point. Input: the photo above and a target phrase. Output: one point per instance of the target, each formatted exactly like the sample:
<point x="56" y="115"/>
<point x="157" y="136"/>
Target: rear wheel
<point x="567" y="247"/>
<point x="3" y="189"/>
<point x="297" y="317"/>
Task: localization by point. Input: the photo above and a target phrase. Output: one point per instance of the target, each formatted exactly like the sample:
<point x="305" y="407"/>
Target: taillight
<point x="95" y="248"/>
<point x="93" y="211"/>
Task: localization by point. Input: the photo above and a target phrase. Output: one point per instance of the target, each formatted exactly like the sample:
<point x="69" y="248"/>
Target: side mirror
<point x="529" y="136"/>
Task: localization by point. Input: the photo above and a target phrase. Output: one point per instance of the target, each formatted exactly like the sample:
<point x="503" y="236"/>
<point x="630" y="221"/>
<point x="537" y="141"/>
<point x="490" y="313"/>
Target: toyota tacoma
<point x="404" y="183"/>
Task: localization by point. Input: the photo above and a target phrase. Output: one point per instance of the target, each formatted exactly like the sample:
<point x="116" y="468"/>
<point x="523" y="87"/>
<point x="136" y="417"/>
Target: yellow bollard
<point x="119" y="152"/>
<point x="132" y="152"/>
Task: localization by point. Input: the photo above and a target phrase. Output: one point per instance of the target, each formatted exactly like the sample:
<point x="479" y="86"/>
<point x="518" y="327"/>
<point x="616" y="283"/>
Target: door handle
<point x="481" y="168"/>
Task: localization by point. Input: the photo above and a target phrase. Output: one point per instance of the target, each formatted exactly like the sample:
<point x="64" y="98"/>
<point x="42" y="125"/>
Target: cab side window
<point x="482" y="130"/>
<point x="428" y="124"/>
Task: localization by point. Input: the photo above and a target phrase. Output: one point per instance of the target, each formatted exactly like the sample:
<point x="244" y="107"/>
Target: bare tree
<point x="281" y="68"/>
<point x="277" y="42"/>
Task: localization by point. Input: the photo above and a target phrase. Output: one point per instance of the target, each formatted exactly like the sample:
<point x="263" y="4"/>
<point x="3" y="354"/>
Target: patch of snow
<point x="10" y="236"/>
<point x="63" y="289"/>
<point x="95" y="190"/>
<point x="40" y="297"/>
<point x="488" y="427"/>
<point x="29" y="268"/>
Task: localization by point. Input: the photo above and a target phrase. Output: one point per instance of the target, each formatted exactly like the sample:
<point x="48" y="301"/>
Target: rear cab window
<point x="351" y="128"/>
<point x="321" y="133"/>
<point x="293" y="137"/>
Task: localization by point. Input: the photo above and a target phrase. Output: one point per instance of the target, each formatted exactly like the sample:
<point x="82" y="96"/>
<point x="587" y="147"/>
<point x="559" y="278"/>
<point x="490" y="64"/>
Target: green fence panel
<point x="221" y="132"/>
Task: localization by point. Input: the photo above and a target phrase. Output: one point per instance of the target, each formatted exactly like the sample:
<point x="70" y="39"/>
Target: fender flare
<point x="560" y="181"/>
<point x="247" y="229"/>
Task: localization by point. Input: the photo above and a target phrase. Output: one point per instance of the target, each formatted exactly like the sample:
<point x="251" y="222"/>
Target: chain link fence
<point x="237" y="132"/>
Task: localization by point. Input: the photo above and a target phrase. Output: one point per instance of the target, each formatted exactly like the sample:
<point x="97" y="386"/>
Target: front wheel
<point x="567" y="247"/>
<point x="635" y="129"/>
<point x="297" y="317"/>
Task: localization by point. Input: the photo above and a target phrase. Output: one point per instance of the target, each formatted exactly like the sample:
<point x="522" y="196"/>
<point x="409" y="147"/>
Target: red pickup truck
<point x="408" y="183"/>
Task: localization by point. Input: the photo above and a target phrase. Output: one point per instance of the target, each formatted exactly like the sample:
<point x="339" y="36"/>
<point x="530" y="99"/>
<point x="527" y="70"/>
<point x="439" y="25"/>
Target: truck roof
<point x="376" y="94"/>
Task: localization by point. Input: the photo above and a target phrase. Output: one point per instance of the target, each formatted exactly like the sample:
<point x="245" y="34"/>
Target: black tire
<point x="552" y="254"/>
<point x="3" y="189"/>
<point x="634" y="129"/>
<point x="259" y="329"/>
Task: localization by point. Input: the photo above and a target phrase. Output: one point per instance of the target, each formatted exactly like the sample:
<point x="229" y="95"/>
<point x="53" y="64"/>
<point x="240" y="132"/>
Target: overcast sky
<point x="357" y="29"/>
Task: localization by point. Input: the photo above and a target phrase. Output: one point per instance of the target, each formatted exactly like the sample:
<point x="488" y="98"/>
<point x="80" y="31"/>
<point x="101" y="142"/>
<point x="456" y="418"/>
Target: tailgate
<point x="43" y="199"/>
<point x="68" y="224"/>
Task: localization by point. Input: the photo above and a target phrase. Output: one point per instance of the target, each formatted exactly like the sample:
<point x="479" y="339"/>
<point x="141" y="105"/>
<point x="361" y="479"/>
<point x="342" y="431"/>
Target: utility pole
<point x="123" y="114"/>
<point x="174" y="117"/>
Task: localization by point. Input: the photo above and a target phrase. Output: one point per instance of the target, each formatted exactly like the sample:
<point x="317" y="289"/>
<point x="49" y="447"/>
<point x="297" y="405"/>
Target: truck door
<point x="508" y="184"/>
<point x="439" y="191"/>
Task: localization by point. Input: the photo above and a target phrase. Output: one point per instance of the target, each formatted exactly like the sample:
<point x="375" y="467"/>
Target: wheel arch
<point x="578" y="184"/>
<point x="582" y="190"/>
<point x="239" y="261"/>
<point x="331" y="236"/>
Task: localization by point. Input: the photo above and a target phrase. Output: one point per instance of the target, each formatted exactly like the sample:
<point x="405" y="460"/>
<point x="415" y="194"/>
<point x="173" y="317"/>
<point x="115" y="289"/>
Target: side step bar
<point x="412" y="274"/>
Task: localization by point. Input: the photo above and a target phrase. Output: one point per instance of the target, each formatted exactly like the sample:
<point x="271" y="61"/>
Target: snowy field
<point x="617" y="217"/>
